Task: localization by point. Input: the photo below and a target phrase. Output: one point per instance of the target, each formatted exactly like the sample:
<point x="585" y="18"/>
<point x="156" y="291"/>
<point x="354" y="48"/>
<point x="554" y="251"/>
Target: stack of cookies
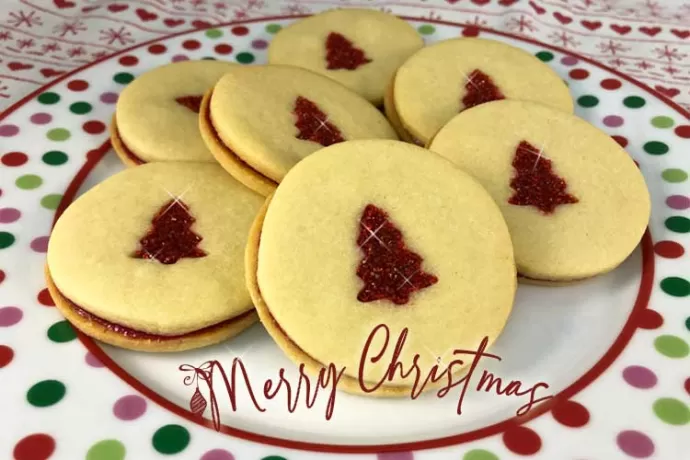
<point x="366" y="179"/>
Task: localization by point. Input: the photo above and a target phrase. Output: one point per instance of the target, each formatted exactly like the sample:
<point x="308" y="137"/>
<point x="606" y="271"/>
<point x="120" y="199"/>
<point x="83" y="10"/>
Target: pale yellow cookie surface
<point x="577" y="240"/>
<point x="155" y="127"/>
<point x="429" y="87"/>
<point x="308" y="256"/>
<point x="90" y="254"/>
<point x="385" y="40"/>
<point x="252" y="110"/>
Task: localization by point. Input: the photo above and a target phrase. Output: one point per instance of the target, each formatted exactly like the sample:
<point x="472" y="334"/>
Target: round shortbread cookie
<point x="268" y="118"/>
<point x="157" y="249"/>
<point x="357" y="47"/>
<point x="376" y="232"/>
<point x="443" y="79"/>
<point x="156" y="116"/>
<point x="575" y="202"/>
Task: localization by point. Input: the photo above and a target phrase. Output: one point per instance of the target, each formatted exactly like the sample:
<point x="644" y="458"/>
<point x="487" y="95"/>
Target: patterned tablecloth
<point x="647" y="39"/>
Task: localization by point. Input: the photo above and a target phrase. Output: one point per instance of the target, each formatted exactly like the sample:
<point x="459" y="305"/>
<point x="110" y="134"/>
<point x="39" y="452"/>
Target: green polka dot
<point x="80" y="108"/>
<point x="245" y="58"/>
<point x="6" y="240"/>
<point x="677" y="287"/>
<point x="61" y="332"/>
<point x="170" y="439"/>
<point x="123" y="78"/>
<point x="479" y="454"/>
<point x="108" y="449"/>
<point x="214" y="33"/>
<point x="671" y="346"/>
<point x="672" y="411"/>
<point x="634" y="102"/>
<point x="46" y="393"/>
<point x="274" y="457"/>
<point x="587" y="101"/>
<point x="208" y="58"/>
<point x="655" y="148"/>
<point x="674" y="175"/>
<point x="49" y="98"/>
<point x="29" y="182"/>
<point x="678" y="224"/>
<point x="662" y="122"/>
<point x="55" y="158"/>
<point x="273" y="28"/>
<point x="687" y="323"/>
<point x="426" y="29"/>
<point x="545" y="56"/>
<point x="58" y="134"/>
<point x="51" y="201"/>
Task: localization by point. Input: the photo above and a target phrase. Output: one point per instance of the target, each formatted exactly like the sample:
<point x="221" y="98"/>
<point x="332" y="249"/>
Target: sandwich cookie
<point x="151" y="259"/>
<point x="443" y="79"/>
<point x="378" y="232"/>
<point x="259" y="121"/>
<point x="157" y="115"/>
<point x="359" y="48"/>
<point x="574" y="200"/>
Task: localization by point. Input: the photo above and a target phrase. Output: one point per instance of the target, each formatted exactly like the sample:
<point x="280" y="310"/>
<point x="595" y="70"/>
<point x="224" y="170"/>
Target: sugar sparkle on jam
<point x="341" y="53"/>
<point x="389" y="269"/>
<point x="313" y="124"/>
<point x="535" y="183"/>
<point x="193" y="103"/>
<point x="480" y="88"/>
<point x="170" y="237"/>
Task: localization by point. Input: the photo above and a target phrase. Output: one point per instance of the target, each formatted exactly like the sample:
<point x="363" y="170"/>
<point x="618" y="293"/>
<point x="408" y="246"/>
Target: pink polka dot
<point x="109" y="98"/>
<point x="260" y="44"/>
<point x="8" y="130"/>
<point x="129" y="407"/>
<point x="9" y="316"/>
<point x="639" y="377"/>
<point x="92" y="361"/>
<point x="395" y="456"/>
<point x="569" y="60"/>
<point x="635" y="444"/>
<point x="613" y="121"/>
<point x="9" y="215"/>
<point x="217" y="454"/>
<point x="678" y="202"/>
<point x="41" y="118"/>
<point x="40" y="244"/>
<point x="179" y="58"/>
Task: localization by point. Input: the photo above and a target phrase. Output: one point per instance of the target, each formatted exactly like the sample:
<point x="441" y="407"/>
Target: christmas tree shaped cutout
<point x="535" y="183"/>
<point x="389" y="269"/>
<point x="313" y="125"/>
<point x="170" y="237"/>
<point x="341" y="53"/>
<point x="480" y="88"/>
<point x="193" y="103"/>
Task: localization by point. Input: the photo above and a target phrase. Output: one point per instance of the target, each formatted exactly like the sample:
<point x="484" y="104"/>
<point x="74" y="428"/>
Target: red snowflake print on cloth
<point x="564" y="39"/>
<point x="122" y="36"/>
<point x="672" y="54"/>
<point x="50" y="47"/>
<point x="170" y="237"/>
<point x="522" y="25"/>
<point x="5" y="35"/>
<point x="25" y="43"/>
<point x="480" y="88"/>
<point x="389" y="269"/>
<point x="22" y="19"/>
<point x="341" y="53"/>
<point x="70" y="27"/>
<point x="611" y="47"/>
<point x="193" y="103"/>
<point x="535" y="183"/>
<point x="313" y="124"/>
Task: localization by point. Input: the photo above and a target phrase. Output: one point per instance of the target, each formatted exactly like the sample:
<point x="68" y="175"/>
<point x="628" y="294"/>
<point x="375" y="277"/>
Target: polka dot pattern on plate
<point x="171" y="439"/>
<point x="129" y="407"/>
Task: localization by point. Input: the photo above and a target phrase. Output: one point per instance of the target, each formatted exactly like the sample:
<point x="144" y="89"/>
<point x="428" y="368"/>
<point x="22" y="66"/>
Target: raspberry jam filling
<point x="341" y="53"/>
<point x="480" y="88"/>
<point x="313" y="124"/>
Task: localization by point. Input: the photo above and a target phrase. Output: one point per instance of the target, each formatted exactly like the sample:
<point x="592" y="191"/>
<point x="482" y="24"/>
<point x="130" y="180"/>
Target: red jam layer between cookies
<point x="126" y="150"/>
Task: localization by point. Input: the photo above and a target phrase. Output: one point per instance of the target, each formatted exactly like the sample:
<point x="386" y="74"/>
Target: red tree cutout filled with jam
<point x="389" y="269"/>
<point x="341" y="53"/>
<point x="535" y="183"/>
<point x="170" y="237"/>
<point x="313" y="124"/>
<point x="480" y="88"/>
<point x="193" y="103"/>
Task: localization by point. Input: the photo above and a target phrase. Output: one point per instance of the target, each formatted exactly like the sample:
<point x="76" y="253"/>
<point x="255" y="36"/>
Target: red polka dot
<point x="470" y="31"/>
<point x="34" y="447"/>
<point x="522" y="440"/>
<point x="223" y="49"/>
<point x="77" y="85"/>
<point x="14" y="159"/>
<point x="93" y="127"/>
<point x="157" y="49"/>
<point x="669" y="249"/>
<point x="2" y="273"/>
<point x="571" y="413"/>
<point x="687" y="385"/>
<point x="240" y="30"/>
<point x="650" y="319"/>
<point x="44" y="298"/>
<point x="623" y="142"/>
<point x="683" y="131"/>
<point x="191" y="44"/>
<point x="578" y="74"/>
<point x="6" y="355"/>
<point x="610" y="83"/>
<point x="128" y="61"/>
